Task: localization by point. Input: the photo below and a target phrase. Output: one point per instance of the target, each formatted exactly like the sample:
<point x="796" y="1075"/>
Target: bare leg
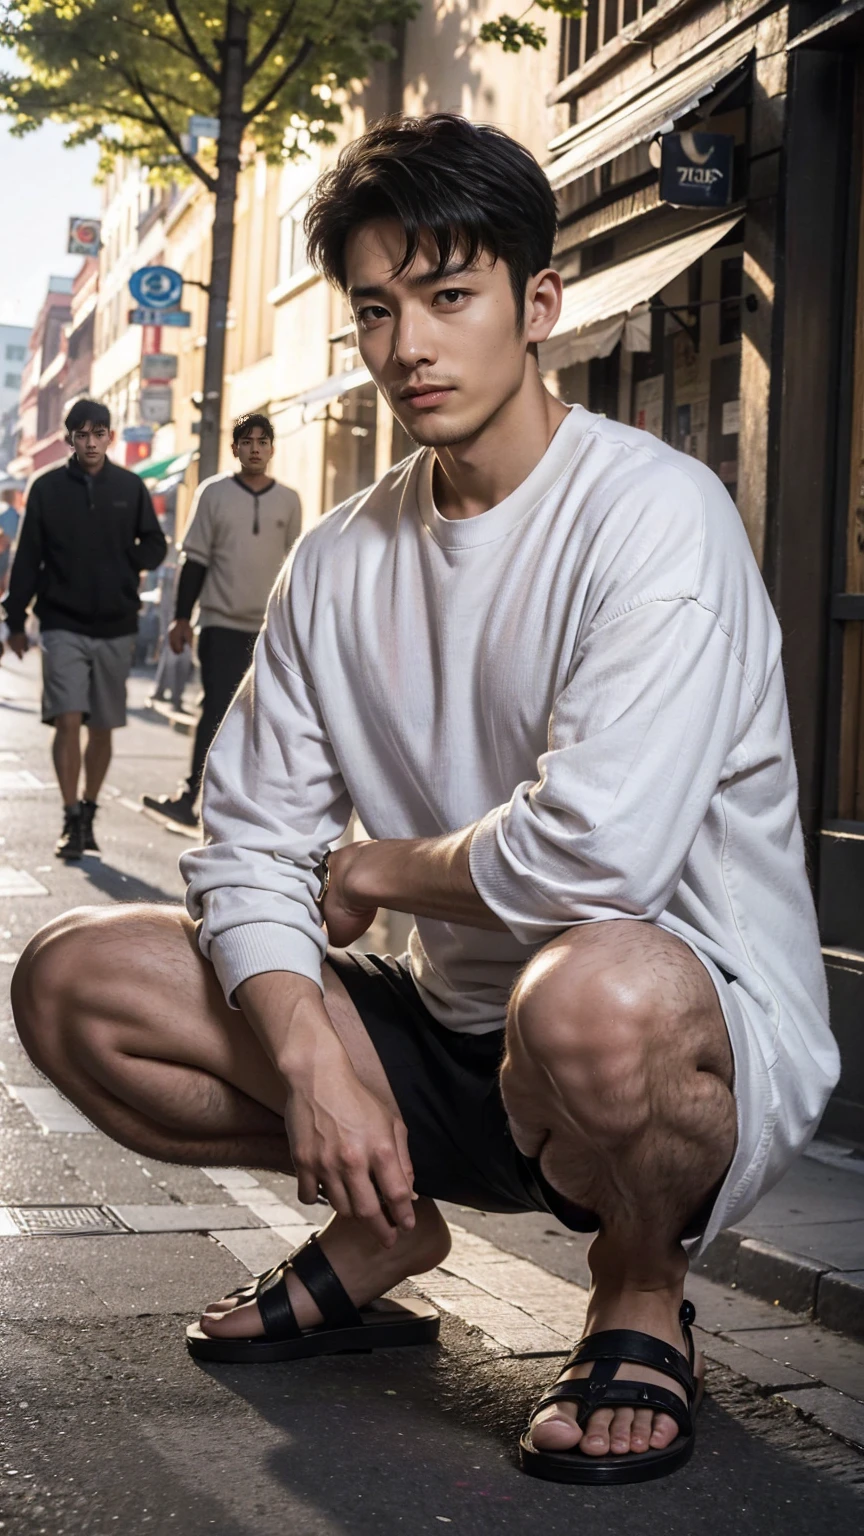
<point x="619" y="1068"/>
<point x="97" y="756"/>
<point x="66" y="752"/>
<point x="119" y="1009"/>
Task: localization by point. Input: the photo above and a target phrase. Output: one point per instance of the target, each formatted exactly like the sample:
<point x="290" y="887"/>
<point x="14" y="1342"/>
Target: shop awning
<point x="329" y="389"/>
<point x="590" y="144"/>
<point x="158" y="469"/>
<point x="596" y="308"/>
<point x="840" y="29"/>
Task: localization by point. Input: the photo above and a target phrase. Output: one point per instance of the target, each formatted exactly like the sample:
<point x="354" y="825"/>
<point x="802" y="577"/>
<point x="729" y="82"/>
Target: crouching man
<point x="539" y="659"/>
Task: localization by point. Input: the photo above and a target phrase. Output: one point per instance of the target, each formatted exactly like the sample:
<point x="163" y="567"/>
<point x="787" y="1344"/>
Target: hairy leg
<point x="97" y="756"/>
<point x="118" y="1007"/>
<point x="66" y="752"/>
<point x="618" y="1075"/>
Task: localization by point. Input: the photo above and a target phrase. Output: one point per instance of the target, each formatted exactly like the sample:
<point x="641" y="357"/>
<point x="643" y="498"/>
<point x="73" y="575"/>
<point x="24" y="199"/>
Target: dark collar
<point x="74" y="469"/>
<point x="244" y="487"/>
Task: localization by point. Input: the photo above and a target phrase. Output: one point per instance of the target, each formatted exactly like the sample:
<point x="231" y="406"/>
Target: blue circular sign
<point x="156" y="287"/>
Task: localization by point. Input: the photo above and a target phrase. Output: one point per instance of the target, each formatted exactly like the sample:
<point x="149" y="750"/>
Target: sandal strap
<point x="312" y="1268"/>
<point x="591" y="1394"/>
<point x="626" y="1346"/>
<point x="274" y="1305"/>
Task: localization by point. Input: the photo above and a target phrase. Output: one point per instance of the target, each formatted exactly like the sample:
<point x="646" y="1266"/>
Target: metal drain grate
<point x="63" y="1220"/>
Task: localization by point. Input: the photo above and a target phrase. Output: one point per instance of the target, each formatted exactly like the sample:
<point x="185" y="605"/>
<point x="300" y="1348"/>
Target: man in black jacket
<point x="89" y="530"/>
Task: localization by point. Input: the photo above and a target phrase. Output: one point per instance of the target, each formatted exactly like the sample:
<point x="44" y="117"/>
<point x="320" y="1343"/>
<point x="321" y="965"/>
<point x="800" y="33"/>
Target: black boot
<point x="70" y="844"/>
<point x="88" y="817"/>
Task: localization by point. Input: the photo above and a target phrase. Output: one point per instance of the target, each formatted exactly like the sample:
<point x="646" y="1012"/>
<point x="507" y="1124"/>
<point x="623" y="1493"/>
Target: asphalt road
<point x="107" y="1423"/>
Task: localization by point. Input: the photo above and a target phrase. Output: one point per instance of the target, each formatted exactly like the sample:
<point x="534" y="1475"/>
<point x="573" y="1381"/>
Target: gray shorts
<point x="87" y="676"/>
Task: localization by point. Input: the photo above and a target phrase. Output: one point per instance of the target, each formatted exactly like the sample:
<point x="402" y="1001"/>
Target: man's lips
<point x="423" y="397"/>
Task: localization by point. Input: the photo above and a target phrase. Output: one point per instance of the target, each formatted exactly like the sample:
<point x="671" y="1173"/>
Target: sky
<point x="43" y="185"/>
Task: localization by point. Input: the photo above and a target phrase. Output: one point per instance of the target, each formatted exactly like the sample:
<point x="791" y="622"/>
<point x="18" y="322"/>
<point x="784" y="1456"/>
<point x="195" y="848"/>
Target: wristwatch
<point x="322" y="870"/>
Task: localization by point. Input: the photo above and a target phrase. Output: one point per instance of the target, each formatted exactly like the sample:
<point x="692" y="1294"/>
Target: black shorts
<point x="446" y="1085"/>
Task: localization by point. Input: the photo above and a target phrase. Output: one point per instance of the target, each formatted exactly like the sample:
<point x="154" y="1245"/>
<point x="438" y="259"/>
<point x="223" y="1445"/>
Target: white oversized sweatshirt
<point x="590" y="671"/>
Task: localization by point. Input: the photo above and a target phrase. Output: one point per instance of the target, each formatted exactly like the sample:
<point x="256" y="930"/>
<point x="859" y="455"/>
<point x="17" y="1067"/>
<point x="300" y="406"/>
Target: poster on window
<point x="648" y="406"/>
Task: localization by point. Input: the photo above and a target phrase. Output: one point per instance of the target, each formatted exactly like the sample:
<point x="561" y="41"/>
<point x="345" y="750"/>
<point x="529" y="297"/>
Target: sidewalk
<point x="803" y="1244"/>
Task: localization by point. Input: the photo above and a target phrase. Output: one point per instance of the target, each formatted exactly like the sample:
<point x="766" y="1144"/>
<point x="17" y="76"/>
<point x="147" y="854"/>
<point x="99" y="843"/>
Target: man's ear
<point x="234" y="450"/>
<point x="543" y="304"/>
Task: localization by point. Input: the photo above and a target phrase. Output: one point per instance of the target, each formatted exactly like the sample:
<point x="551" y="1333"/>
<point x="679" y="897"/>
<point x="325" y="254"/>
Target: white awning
<point x="329" y="389"/>
<point x="596" y="308"/>
<point x="619" y="127"/>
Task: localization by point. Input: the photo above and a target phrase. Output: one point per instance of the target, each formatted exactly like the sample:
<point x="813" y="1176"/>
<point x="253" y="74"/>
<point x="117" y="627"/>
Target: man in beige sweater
<point x="242" y="527"/>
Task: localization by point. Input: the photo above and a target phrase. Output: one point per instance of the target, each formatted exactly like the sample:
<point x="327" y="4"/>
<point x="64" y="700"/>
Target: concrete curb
<point x="834" y="1298"/>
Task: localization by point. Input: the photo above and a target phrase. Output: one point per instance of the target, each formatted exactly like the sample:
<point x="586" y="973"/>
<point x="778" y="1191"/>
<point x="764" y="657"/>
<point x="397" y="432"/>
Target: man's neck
<point x="86" y="469"/>
<point x="255" y="482"/>
<point x="479" y="473"/>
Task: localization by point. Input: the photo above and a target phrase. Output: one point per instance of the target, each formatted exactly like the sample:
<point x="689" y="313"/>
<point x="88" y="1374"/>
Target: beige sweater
<point x="242" y="538"/>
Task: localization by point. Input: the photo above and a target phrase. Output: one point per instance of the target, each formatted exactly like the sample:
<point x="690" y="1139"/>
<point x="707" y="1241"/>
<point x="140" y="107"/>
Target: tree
<point x="127" y="75"/>
<point x="515" y="33"/>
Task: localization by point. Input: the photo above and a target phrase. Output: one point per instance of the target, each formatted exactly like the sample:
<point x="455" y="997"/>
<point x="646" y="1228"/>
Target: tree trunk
<point x="228" y="168"/>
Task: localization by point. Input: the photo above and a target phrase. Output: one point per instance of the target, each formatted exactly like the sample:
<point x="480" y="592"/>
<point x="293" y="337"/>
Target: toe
<point x="237" y="1322"/>
<point x="595" y="1441"/>
<point x="555" y="1429"/>
<point x="664" y="1431"/>
<point x="640" y="1433"/>
<point x="619" y="1433"/>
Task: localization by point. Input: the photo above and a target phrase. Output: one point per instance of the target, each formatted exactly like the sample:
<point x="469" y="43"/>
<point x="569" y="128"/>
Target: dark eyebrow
<point x="423" y="280"/>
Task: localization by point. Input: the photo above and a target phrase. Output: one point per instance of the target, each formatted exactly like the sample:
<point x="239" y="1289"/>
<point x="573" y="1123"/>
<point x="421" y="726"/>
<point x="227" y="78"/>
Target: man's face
<point x="446" y="354"/>
<point x="254" y="451"/>
<point x="91" y="443"/>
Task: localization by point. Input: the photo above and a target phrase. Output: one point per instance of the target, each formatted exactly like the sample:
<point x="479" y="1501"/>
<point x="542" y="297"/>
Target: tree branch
<point x="174" y="138"/>
<point x="155" y="37"/>
<point x="270" y="43"/>
<point x="298" y="60"/>
<point x="200" y="58"/>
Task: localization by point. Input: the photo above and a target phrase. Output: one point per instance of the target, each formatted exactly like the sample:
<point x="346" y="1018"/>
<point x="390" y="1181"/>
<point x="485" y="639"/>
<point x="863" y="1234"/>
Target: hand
<point x="346" y="914"/>
<point x="179" y="635"/>
<point x="19" y="644"/>
<point x="344" y="1140"/>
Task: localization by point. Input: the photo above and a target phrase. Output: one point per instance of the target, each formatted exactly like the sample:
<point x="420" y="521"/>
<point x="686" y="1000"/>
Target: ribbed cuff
<point x="253" y="948"/>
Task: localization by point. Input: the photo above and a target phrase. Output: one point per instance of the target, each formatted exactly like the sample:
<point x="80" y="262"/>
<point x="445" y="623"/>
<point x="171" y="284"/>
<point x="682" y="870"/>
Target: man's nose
<point x="412" y="342"/>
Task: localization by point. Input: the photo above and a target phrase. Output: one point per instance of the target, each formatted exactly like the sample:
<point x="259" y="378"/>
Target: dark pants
<point x="224" y="656"/>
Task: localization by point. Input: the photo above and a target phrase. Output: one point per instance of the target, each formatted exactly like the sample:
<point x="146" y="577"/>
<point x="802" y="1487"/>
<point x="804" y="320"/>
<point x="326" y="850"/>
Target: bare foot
<point x="620" y="1430"/>
<point x="365" y="1268"/>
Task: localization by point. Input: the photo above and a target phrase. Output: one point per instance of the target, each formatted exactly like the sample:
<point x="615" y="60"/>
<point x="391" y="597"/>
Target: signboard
<point x="203" y="127"/>
<point x="85" y="237"/>
<point x="143" y="434"/>
<point x="156" y="287"/>
<point x="143" y="316"/>
<point x="155" y="404"/>
<point x="696" y="169"/>
<point x="158" y="367"/>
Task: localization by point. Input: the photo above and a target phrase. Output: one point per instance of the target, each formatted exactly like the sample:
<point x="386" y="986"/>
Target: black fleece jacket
<point x="83" y="542"/>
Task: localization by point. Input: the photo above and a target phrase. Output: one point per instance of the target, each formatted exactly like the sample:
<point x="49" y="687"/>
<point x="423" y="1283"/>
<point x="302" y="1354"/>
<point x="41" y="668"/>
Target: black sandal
<point x="600" y="1390"/>
<point x="382" y="1324"/>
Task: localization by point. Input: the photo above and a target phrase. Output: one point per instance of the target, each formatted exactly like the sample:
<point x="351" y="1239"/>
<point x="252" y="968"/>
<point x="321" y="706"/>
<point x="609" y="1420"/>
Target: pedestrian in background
<point x="241" y="529"/>
<point x="89" y="530"/>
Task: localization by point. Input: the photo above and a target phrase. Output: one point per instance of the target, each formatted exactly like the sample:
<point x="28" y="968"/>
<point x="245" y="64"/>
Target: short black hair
<point x="471" y="186"/>
<point x="87" y="410"/>
<point x="244" y="424"/>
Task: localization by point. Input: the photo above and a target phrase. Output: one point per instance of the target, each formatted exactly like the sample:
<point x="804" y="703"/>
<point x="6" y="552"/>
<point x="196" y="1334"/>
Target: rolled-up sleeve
<point x="639" y="740"/>
<point x="274" y="800"/>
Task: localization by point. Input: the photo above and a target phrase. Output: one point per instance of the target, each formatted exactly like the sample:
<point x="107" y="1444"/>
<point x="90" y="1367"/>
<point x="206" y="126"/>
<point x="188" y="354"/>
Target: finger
<point x="395" y="1191"/>
<point x="307" y="1183"/>
<point x="400" y="1131"/>
<point x="366" y="1206"/>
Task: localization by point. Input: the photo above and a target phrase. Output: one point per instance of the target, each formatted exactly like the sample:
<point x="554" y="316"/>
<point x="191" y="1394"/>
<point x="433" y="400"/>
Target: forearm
<point x="288" y="1016"/>
<point x="426" y="876"/>
<point x="189" y="583"/>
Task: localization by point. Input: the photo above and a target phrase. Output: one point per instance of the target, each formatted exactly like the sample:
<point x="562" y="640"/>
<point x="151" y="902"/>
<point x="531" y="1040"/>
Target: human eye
<point x="448" y="298"/>
<point x="370" y="315"/>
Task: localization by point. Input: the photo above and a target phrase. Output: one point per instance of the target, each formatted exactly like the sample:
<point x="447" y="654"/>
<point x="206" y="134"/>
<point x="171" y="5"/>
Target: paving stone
<point x="840" y="1303"/>
<point x="185" y="1218"/>
<point x="827" y="1245"/>
<point x="808" y="1187"/>
<point x="826" y="1357"/>
<point x="757" y="1368"/>
<point x="839" y="1414"/>
<point x="791" y="1280"/>
<point x="49" y="1109"/>
<point x="261" y="1250"/>
<point x="720" y="1310"/>
<point x="104" y="1277"/>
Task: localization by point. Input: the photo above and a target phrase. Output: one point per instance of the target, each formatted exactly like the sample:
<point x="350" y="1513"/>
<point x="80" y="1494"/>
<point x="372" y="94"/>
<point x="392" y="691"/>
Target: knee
<point x="589" y="1029"/>
<point x="47" y="985"/>
<point x="68" y="724"/>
